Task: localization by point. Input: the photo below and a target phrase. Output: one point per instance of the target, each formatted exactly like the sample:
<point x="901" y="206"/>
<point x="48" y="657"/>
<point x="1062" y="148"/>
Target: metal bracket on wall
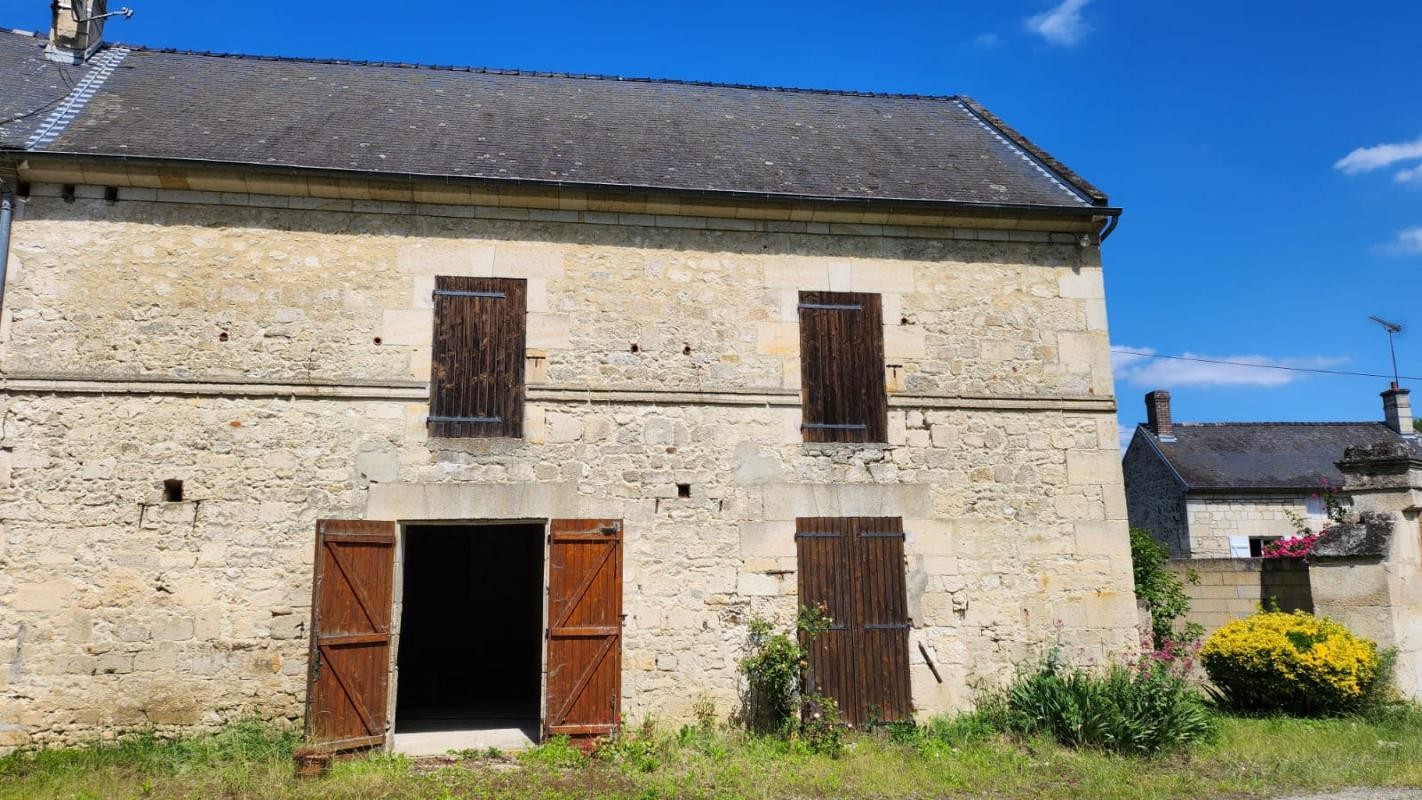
<point x="479" y="420"/>
<point x="831" y="306"/>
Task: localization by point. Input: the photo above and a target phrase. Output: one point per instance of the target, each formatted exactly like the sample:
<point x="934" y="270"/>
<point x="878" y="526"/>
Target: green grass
<point x="1251" y="757"/>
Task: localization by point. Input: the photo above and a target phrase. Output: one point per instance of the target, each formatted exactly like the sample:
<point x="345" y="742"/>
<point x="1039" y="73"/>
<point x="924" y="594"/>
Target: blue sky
<point x="1268" y="153"/>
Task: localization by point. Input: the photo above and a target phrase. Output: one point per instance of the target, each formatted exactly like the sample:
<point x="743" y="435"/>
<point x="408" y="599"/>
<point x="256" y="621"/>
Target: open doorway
<point x="471" y="637"/>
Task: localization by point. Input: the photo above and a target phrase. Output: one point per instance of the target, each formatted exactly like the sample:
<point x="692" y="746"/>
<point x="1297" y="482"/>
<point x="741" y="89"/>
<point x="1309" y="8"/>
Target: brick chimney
<point x="76" y="30"/>
<point x="1158" y="414"/>
<point x="1397" y="410"/>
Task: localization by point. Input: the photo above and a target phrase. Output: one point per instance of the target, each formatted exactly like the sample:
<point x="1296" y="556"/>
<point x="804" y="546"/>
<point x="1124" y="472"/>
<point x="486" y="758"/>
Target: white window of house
<point x="1239" y="547"/>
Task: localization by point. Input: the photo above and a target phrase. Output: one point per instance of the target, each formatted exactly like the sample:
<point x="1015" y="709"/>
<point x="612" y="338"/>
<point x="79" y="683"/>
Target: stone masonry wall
<point x="235" y="348"/>
<point x="1215" y="518"/>
<point x="1227" y="589"/>
<point x="1155" y="498"/>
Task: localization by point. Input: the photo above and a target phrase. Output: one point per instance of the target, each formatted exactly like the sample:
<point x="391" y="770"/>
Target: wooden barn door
<point x="349" y="669"/>
<point x="854" y="568"/>
<point x="584" y="685"/>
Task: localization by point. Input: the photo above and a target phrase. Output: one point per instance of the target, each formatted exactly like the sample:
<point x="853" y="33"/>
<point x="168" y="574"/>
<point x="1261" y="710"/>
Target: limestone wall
<point x="1215" y="518"/>
<point x="235" y="348"/>
<point x="1227" y="589"/>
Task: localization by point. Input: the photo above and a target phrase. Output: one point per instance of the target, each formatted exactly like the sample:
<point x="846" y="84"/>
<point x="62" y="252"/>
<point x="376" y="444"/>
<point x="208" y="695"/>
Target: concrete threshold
<point x="438" y="743"/>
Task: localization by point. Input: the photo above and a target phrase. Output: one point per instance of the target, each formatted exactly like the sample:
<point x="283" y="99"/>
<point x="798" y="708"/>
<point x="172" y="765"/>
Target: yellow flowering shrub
<point x="1276" y="661"/>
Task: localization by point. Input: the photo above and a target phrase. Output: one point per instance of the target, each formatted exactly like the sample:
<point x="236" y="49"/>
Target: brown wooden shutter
<point x="842" y="367"/>
<point x="349" y="668"/>
<point x="584" y="628"/>
<point x="823" y="547"/>
<point x="476" y="377"/>
<point x="854" y="567"/>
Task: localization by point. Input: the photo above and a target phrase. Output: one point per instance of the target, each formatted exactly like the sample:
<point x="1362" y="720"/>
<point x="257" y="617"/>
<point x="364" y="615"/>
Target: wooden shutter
<point x="825" y="575"/>
<point x="842" y="367"/>
<point x="584" y="628"/>
<point x="349" y="667"/>
<point x="476" y="377"/>
<point x="854" y="567"/>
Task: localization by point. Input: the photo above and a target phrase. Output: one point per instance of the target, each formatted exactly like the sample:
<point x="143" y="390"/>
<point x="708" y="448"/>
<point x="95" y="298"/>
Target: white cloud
<point x="1062" y="24"/>
<point x="987" y="40"/>
<point x="1367" y="159"/>
<point x="1411" y="176"/>
<point x="1142" y="371"/>
<point x="1407" y="243"/>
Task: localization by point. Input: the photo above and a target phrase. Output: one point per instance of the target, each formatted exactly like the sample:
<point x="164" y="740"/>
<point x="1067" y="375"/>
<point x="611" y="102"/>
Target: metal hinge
<point x="480" y="420"/>
<point x="832" y="306"/>
<point x="887" y="626"/>
<point x="463" y="293"/>
<point x="833" y="426"/>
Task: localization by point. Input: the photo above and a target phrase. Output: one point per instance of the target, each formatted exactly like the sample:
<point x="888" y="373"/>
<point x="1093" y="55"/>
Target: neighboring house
<point x="537" y="388"/>
<point x="1226" y="489"/>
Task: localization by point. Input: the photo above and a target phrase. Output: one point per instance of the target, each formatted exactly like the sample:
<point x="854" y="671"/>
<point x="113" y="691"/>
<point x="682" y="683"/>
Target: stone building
<point x="1226" y="489"/>
<point x="537" y="388"/>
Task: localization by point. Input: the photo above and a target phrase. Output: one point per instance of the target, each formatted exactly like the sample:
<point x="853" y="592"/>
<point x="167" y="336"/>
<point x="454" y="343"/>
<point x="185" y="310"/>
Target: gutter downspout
<point x="7" y="213"/>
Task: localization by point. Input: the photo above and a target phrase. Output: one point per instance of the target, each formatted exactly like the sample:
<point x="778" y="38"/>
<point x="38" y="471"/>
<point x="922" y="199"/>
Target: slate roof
<point x="533" y="127"/>
<point x="1259" y="456"/>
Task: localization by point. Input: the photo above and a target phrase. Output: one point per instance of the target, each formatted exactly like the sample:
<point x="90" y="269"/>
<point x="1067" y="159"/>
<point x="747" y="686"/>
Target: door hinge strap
<point x="463" y="293"/>
<point x="479" y="420"/>
<point x="832" y="306"/>
<point x="887" y="626"/>
<point x="831" y="426"/>
<point x="882" y="535"/>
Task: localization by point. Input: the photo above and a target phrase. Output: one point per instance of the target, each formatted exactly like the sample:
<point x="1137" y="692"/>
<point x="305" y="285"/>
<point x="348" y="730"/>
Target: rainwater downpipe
<point x="7" y="213"/>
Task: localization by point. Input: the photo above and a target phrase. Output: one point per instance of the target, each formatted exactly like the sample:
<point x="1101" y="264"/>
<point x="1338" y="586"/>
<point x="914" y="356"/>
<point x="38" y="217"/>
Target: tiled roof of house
<point x="1253" y="456"/>
<point x="409" y="120"/>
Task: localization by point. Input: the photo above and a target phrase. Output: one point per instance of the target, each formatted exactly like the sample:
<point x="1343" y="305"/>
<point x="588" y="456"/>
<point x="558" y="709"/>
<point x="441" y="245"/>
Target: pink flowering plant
<point x="1302" y="544"/>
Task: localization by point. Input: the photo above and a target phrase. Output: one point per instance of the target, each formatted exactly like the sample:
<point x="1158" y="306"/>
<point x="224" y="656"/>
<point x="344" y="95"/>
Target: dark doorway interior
<point x="471" y="628"/>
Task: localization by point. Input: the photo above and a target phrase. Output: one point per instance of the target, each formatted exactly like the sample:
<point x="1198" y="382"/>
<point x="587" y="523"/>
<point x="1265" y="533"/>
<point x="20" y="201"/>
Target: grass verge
<point x="1251" y="757"/>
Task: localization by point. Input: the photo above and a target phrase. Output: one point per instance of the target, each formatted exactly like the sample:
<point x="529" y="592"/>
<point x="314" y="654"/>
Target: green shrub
<point x="1293" y="662"/>
<point x="1139" y="709"/>
<point x="1163" y="591"/>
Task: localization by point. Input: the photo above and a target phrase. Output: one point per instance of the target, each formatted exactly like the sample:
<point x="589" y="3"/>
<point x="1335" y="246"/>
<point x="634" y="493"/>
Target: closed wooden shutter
<point x="842" y="367"/>
<point x="349" y="668"/>
<point x="854" y="568"/>
<point x="476" y="377"/>
<point x="584" y="684"/>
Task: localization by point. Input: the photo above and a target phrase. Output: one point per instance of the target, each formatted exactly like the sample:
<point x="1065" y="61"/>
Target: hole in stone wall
<point x="683" y="490"/>
<point x="222" y="337"/>
<point x="172" y="491"/>
<point x="635" y="348"/>
<point x="378" y="340"/>
<point x="686" y="351"/>
<point x="22" y="188"/>
<point x="903" y="320"/>
<point x="111" y="194"/>
<point x="66" y="192"/>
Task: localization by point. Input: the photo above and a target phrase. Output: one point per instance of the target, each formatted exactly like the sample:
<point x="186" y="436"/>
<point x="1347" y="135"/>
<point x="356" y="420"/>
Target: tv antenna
<point x="1391" y="328"/>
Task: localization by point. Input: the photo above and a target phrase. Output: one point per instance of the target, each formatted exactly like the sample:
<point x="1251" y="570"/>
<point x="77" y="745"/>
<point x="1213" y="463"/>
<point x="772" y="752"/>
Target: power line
<point x="1315" y="370"/>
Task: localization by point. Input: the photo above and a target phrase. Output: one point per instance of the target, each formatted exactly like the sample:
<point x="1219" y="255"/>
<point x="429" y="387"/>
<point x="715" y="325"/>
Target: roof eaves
<point x="1077" y="182"/>
<point x="996" y="209"/>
